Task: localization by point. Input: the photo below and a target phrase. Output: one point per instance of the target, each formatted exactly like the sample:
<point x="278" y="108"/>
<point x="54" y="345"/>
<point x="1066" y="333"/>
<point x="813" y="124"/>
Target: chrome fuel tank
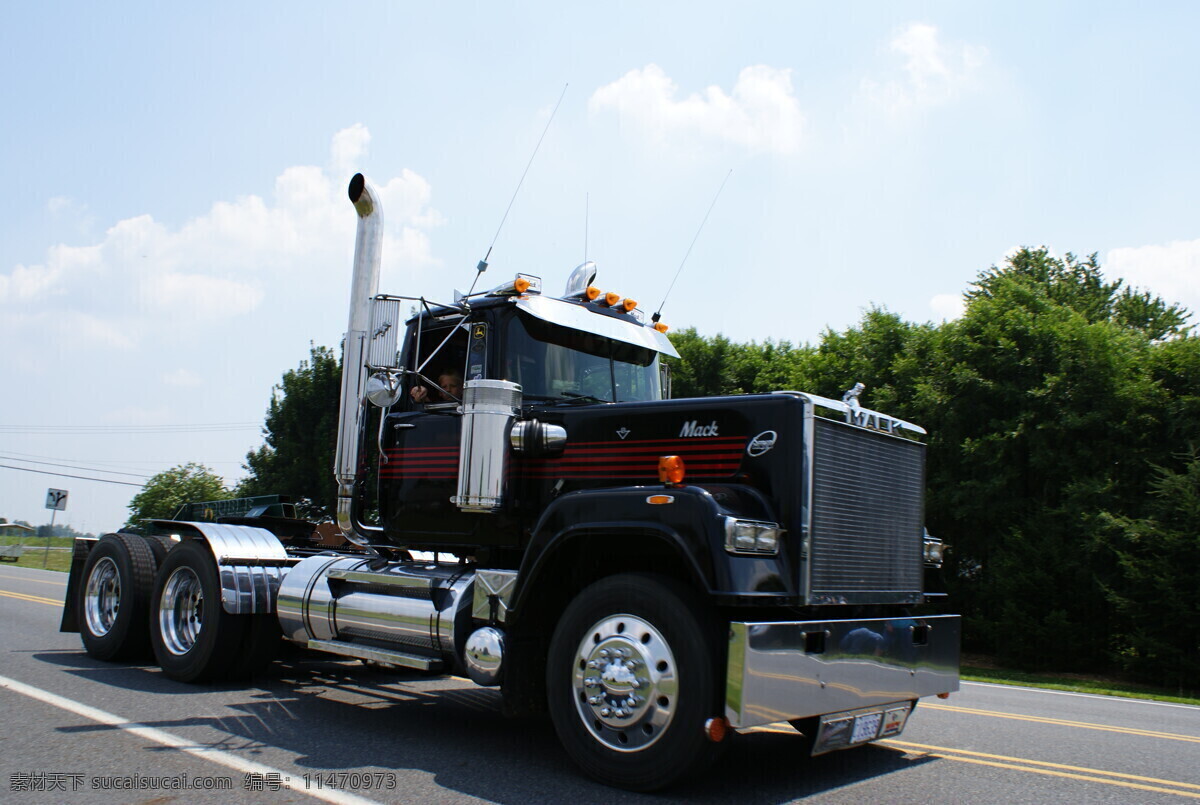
<point x="411" y="606"/>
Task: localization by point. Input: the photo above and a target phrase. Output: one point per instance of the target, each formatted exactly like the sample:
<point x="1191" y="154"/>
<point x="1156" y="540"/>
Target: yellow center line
<point x="1068" y="775"/>
<point x="37" y="599"/>
<point x="1029" y="766"/>
<point x="35" y="581"/>
<point x="1006" y="758"/>
<point x="1063" y="723"/>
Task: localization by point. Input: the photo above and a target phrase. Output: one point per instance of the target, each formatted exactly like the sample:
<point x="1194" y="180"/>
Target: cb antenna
<point x="483" y="264"/>
<point x="658" y="314"/>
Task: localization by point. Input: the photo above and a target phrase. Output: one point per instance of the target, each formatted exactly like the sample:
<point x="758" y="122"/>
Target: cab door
<point x="418" y="469"/>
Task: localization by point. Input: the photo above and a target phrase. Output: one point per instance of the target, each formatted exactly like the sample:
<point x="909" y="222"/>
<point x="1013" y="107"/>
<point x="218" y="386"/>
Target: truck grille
<point x="867" y="516"/>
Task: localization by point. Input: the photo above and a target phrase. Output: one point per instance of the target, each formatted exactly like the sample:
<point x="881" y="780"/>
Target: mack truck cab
<point x="654" y="573"/>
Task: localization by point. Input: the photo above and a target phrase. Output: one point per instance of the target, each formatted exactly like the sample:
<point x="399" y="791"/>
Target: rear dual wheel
<point x="194" y="638"/>
<point x="114" y="598"/>
<point x="632" y="678"/>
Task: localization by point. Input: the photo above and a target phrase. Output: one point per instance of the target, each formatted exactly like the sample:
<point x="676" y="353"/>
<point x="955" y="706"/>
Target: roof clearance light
<point x="629" y="304"/>
<point x="592" y="293"/>
<point x="611" y="299"/>
<point x="523" y="283"/>
<point x="533" y="284"/>
<point x="670" y="470"/>
<point x="662" y="328"/>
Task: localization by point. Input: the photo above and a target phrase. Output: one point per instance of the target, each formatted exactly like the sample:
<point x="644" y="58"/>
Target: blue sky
<point x="174" y="230"/>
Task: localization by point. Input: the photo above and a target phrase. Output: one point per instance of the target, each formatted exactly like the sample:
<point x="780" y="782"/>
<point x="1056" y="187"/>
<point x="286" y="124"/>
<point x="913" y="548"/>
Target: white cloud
<point x="349" y="146"/>
<point x="201" y="296"/>
<point x="760" y="114"/>
<point x="219" y="265"/>
<point x="932" y="72"/>
<point x="181" y="378"/>
<point x="947" y="306"/>
<point x="139" y="415"/>
<point x="1171" y="271"/>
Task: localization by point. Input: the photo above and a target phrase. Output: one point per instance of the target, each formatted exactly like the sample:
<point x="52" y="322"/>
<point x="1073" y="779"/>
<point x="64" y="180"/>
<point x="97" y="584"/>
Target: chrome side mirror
<point x="383" y="389"/>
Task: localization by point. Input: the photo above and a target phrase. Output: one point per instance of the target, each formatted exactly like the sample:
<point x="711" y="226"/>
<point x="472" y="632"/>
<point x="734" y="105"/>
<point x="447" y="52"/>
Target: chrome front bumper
<point x="784" y="671"/>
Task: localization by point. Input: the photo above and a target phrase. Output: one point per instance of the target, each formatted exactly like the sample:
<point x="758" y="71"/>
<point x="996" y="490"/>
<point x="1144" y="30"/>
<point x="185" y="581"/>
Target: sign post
<point x="56" y="501"/>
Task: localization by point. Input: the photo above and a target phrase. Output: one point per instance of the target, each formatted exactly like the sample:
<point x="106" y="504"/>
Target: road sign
<point x="56" y="499"/>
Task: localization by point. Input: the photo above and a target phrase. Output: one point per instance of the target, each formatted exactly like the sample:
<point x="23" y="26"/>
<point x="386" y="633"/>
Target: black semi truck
<point x="655" y="573"/>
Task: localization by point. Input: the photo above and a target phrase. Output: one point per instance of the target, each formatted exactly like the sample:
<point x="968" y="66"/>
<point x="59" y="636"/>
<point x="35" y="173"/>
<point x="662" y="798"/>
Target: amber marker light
<point x="629" y="304"/>
<point x="670" y="470"/>
<point x="611" y="298"/>
<point x="715" y="729"/>
<point x="662" y="328"/>
<point x="521" y="285"/>
<point x="660" y="500"/>
<point x="592" y="293"/>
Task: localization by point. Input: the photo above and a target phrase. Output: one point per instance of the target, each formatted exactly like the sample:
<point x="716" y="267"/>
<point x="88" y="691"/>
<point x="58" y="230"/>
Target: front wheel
<point x="631" y="678"/>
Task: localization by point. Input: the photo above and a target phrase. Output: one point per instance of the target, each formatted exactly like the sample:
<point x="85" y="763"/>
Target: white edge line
<point x="163" y="738"/>
<point x="1101" y="696"/>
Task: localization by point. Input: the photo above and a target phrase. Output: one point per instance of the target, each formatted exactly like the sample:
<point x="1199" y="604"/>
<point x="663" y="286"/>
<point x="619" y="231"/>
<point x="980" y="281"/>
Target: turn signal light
<point x="629" y="304"/>
<point x="670" y="470"/>
<point x="662" y="328"/>
<point x="592" y="293"/>
<point x="521" y="285"/>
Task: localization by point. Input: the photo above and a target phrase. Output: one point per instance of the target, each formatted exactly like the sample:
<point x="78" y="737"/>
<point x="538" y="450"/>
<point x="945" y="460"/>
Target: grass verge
<point x="36" y="542"/>
<point x="33" y="557"/>
<point x="1073" y="683"/>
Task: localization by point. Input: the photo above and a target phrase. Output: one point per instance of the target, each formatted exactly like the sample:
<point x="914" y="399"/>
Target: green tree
<point x="1043" y="416"/>
<point x="300" y="432"/>
<point x="1157" y="594"/>
<point x="165" y="492"/>
<point x="883" y="352"/>
<point x="702" y="368"/>
<point x="712" y="366"/>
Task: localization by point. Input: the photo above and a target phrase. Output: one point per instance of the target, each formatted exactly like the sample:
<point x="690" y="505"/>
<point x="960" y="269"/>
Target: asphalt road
<point x="71" y="729"/>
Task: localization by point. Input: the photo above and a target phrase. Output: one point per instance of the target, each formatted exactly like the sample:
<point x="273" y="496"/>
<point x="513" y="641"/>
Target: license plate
<point x="893" y="722"/>
<point x="866" y="727"/>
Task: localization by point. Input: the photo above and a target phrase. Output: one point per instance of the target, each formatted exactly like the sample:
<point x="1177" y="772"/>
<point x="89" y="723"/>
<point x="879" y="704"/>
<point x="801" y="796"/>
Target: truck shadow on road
<point x="335" y="716"/>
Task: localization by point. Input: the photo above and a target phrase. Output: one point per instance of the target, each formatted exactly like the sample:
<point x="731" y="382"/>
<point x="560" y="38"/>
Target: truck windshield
<point x="553" y="362"/>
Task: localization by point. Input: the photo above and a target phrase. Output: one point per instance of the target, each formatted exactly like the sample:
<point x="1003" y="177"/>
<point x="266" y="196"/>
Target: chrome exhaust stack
<point x="368" y="247"/>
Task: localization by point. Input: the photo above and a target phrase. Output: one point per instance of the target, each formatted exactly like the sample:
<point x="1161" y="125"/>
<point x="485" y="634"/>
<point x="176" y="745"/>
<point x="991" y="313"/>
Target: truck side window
<point x="441" y="359"/>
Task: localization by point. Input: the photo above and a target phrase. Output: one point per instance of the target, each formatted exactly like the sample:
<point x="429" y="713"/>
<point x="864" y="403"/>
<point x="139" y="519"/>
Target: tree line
<point x="45" y="530"/>
<point x="1063" y="412"/>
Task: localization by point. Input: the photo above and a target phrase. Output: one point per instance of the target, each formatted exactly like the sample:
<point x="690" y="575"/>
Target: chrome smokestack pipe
<point x="368" y="246"/>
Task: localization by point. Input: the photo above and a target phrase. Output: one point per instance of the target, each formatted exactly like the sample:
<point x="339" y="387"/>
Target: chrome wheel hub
<point x="181" y="611"/>
<point x="102" y="599"/>
<point x="625" y="683"/>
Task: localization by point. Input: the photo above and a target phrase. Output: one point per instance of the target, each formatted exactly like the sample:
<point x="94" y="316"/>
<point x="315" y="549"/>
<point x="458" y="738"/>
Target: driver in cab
<point x="450" y="383"/>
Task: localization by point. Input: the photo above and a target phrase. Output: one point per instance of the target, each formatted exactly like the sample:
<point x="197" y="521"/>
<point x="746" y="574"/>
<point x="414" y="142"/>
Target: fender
<point x="250" y="561"/>
<point x="687" y="526"/>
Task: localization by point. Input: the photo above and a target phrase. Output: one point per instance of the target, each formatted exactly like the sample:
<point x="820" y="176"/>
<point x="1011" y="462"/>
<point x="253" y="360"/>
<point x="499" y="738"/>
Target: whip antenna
<point x="658" y="314"/>
<point x="483" y="264"/>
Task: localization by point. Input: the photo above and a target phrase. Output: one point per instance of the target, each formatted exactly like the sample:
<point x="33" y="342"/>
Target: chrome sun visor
<point x="577" y="317"/>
